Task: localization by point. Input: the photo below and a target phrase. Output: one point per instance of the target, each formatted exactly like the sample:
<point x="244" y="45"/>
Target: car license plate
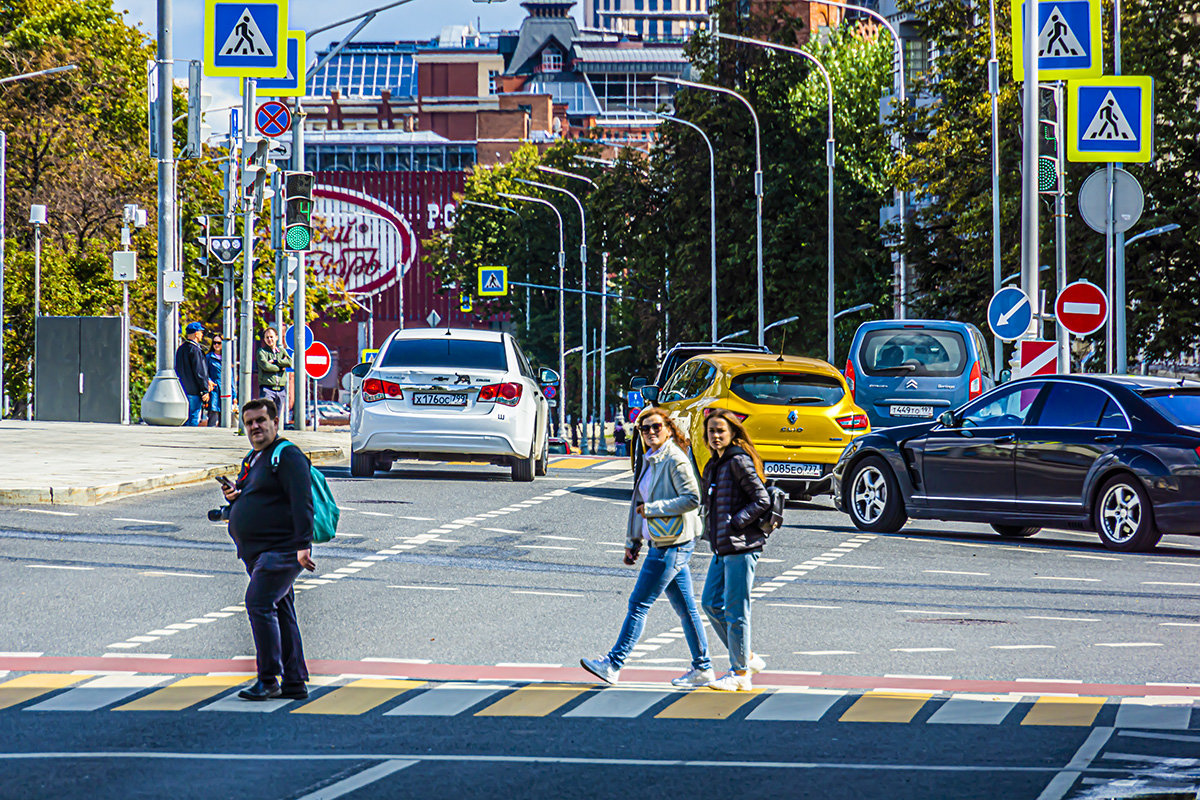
<point x="912" y="411"/>
<point x="786" y="469"/>
<point x="439" y="399"/>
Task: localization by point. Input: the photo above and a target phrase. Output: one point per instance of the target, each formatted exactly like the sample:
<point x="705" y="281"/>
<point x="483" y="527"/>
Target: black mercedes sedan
<point x="1119" y="455"/>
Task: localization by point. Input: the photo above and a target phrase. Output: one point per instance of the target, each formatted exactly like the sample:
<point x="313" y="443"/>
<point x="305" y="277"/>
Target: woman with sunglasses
<point x="663" y="512"/>
<point x="734" y="499"/>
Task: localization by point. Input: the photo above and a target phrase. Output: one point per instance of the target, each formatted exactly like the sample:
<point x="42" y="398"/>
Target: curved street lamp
<point x="758" y="175"/>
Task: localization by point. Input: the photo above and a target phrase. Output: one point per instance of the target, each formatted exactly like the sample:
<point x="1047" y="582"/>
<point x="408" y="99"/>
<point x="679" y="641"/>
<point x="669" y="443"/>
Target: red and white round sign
<point x="317" y="361"/>
<point x="1082" y="308"/>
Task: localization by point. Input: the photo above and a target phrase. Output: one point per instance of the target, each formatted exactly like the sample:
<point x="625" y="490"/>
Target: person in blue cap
<point x="193" y="372"/>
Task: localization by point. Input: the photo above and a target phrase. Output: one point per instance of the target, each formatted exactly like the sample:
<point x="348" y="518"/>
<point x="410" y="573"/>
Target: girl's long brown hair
<point x="672" y="428"/>
<point x="740" y="438"/>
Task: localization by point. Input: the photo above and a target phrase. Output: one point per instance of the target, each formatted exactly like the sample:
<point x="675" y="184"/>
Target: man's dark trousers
<point x="270" y="604"/>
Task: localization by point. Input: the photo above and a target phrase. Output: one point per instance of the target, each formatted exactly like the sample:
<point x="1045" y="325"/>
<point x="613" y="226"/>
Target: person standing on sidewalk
<point x="663" y="512"/>
<point x="271" y="522"/>
<point x="734" y="499"/>
<point x="213" y="361"/>
<point x="192" y="372"/>
<point x="273" y="362"/>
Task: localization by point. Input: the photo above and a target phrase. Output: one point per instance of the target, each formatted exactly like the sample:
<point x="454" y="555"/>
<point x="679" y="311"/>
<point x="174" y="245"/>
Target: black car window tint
<point x="1112" y="418"/>
<point x="701" y="379"/>
<point x="788" y="389"/>
<point x="678" y="382"/>
<point x="1072" y="405"/>
<point x="445" y="352"/>
<point x="1005" y="408"/>
<point x="1181" y="406"/>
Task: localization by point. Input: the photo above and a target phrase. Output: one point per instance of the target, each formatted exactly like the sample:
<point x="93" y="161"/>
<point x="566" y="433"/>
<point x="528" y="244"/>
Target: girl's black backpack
<point x="772" y="518"/>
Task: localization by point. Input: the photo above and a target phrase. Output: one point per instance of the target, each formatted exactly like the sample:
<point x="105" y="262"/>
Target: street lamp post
<point x="583" y="407"/>
<point x="784" y="321"/>
<point x="712" y="215"/>
<point x="852" y="310"/>
<point x="733" y="335"/>
<point x="829" y="161"/>
<point x="758" y="175"/>
<point x="37" y="218"/>
<point x="562" y="264"/>
<point x="898" y="139"/>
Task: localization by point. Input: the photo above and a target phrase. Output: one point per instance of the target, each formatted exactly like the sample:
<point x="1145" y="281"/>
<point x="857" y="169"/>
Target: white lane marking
<point x="359" y="564"/>
<point x="926" y="611"/>
<point x="122" y="645"/>
<point x="182" y="626"/>
<point x="374" y="514"/>
<point x="1094" y="558"/>
<point x="954" y="572"/>
<point x="824" y="653"/>
<point x="501" y="530"/>
<point x="545" y="547"/>
<point x="921" y="677"/>
<point x="1174" y="564"/>
<point x="418" y="519"/>
<point x="1057" y="578"/>
<point x="1022" y="647"/>
<point x="1167" y="583"/>
<point x="802" y="605"/>
<point x="525" y="664"/>
<point x="1065" y="619"/>
<point x="450" y="526"/>
<point x="1128" y="644"/>
<point x="1046" y="680"/>
<point x="57" y="566"/>
<point x="351" y="535"/>
<point x="965" y="544"/>
<point x="424" y="588"/>
<point x="1061" y="783"/>
<point x="546" y="594"/>
<point x="162" y="632"/>
<point x="219" y="614"/>
<point x="143" y="639"/>
<point x="852" y="566"/>
<point x="143" y="521"/>
<point x="19" y="654"/>
<point x="346" y="570"/>
<point x="919" y="650"/>
<point x="47" y="511"/>
<point x="399" y="660"/>
<point x="564" y="538"/>
<point x="1180" y="624"/>
<point x="175" y="574"/>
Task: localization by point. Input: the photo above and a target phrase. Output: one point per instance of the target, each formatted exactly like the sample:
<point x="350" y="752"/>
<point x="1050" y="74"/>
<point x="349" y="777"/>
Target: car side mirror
<point x="947" y="420"/>
<point x="650" y="393"/>
<point x="636" y="382"/>
<point x="361" y="370"/>
<point x="547" y="375"/>
<point x="1005" y="375"/>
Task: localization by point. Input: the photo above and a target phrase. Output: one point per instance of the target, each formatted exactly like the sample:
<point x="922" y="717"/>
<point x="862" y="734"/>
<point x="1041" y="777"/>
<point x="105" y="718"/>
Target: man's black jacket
<point x="274" y="512"/>
<point x="191" y="369"/>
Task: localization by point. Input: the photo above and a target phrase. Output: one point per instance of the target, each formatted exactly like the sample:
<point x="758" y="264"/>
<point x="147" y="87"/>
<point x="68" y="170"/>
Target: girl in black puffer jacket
<point x="734" y="497"/>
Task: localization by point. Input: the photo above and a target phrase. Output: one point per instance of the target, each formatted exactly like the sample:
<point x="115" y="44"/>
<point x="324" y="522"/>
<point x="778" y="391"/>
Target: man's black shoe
<point x="294" y="691"/>
<point x="260" y="691"/>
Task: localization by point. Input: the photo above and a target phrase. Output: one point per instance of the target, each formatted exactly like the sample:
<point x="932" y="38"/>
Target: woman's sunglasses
<point x="652" y="427"/>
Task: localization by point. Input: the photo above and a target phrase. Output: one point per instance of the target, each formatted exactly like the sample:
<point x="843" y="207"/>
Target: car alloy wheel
<point x="869" y="495"/>
<point x="873" y="498"/>
<point x="1124" y="518"/>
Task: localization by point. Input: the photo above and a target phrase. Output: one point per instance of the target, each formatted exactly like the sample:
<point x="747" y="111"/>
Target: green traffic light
<point x="298" y="237"/>
<point x="1047" y="174"/>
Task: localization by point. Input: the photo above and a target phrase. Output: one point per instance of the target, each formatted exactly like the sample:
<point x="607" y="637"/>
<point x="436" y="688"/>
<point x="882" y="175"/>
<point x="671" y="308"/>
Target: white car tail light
<point x="508" y="394"/>
<point x="375" y="389"/>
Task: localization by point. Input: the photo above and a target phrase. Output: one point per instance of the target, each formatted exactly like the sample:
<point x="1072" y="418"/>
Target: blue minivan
<point x="902" y="371"/>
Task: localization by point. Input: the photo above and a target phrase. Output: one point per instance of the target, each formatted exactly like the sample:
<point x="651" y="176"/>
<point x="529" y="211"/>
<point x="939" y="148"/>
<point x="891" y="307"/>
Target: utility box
<point x="77" y="369"/>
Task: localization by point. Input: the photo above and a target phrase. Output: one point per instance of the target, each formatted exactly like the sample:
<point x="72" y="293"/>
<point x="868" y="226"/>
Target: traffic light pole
<point x="229" y="347"/>
<point x="1060" y="221"/>
<point x="299" y="314"/>
<point x="1030" y="243"/>
<point x="246" y="328"/>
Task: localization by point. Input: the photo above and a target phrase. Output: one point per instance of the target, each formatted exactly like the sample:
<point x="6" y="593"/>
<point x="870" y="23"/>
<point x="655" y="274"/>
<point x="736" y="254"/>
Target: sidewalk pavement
<point x="80" y="463"/>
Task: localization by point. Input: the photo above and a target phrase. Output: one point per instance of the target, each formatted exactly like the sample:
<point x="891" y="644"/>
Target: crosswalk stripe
<point x="185" y="693"/>
<point x="622" y="703"/>
<point x="537" y="700"/>
<point x="445" y="700"/>
<point x="573" y="463"/>
<point x="358" y="697"/>
<point x="886" y="707"/>
<point x="1069" y="711"/>
<point x="1163" y="713"/>
<point x="103" y="691"/>
<point x="707" y="704"/>
<point x="799" y="705"/>
<point x="974" y="709"/>
<point x="26" y="687"/>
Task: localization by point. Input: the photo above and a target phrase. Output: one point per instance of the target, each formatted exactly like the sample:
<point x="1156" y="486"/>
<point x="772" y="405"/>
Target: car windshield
<point x="445" y="352"/>
<point x="916" y="352"/>
<point x="1181" y="406"/>
<point x="787" y="389"/>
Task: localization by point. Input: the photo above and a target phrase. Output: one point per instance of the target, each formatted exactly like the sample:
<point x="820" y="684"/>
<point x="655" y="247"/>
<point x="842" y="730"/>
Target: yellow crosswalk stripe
<point x="358" y="697"/>
<point x="1073" y="711"/>
<point x="707" y="704"/>
<point x="573" y="463"/>
<point x="26" y="687"/>
<point x="536" y="700"/>
<point x="885" y="707"/>
<point x="185" y="692"/>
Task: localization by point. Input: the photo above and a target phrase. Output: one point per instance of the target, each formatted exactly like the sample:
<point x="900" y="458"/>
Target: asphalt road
<point x="456" y="565"/>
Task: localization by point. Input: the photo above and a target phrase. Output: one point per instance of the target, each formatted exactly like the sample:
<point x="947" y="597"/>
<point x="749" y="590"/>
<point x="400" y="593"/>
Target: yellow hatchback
<point x="798" y="411"/>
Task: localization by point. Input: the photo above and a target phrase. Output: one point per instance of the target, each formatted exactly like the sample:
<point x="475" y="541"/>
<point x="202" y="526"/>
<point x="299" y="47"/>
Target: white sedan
<point x="449" y="394"/>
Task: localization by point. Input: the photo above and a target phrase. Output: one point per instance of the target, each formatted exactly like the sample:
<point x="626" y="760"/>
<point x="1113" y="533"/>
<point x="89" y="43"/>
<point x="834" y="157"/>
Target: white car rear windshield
<point x="913" y="351"/>
<point x="445" y="352"/>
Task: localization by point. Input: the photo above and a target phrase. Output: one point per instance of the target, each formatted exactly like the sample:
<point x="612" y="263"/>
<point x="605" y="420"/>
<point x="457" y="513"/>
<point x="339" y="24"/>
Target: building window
<point x="916" y="59"/>
<point x="552" y="60"/>
<point x="493" y="74"/>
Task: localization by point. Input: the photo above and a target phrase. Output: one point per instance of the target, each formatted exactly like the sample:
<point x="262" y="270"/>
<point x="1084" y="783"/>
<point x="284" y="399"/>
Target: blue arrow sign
<point x="1009" y="313"/>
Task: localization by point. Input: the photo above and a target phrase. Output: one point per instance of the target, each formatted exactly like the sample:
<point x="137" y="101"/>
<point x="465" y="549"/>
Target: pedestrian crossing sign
<point x="493" y="281"/>
<point x="1111" y="119"/>
<point x="245" y="38"/>
<point x="293" y="83"/>
<point x="1068" y="39"/>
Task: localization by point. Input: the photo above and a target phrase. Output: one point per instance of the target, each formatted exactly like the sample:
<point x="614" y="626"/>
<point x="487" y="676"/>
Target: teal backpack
<point x="325" y="509"/>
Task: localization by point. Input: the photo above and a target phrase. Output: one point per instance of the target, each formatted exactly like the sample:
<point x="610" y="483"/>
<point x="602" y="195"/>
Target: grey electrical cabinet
<point x="77" y="369"/>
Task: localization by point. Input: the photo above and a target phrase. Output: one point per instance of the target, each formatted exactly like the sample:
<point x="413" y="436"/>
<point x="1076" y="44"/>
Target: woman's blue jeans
<point x="664" y="570"/>
<point x="726" y="601"/>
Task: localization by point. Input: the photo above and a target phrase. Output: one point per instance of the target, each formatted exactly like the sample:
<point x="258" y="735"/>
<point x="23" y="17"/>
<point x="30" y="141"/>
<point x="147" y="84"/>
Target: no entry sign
<point x="1081" y="308"/>
<point x="317" y="361"/>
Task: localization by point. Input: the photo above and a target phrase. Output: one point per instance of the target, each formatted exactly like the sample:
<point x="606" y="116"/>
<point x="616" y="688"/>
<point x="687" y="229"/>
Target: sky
<point x="421" y="19"/>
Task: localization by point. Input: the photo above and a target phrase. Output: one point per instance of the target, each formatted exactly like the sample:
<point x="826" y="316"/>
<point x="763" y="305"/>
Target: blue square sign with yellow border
<point x="1111" y="119"/>
<point x="493" y="281"/>
<point x="1068" y="39"/>
<point x="292" y="84"/>
<point x="245" y="39"/>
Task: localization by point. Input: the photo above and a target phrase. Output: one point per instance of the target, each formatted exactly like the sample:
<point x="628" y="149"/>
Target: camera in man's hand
<point x="219" y="514"/>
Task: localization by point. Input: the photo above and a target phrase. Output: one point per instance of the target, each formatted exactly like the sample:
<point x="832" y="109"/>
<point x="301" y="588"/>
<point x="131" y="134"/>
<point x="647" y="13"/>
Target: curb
<point x="95" y="495"/>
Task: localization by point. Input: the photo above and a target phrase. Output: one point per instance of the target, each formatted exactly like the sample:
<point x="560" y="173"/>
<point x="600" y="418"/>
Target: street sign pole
<point x="1060" y="220"/>
<point x="1117" y="295"/>
<point x="1030" y="245"/>
<point x="229" y="347"/>
<point x="603" y="405"/>
<point x="246" y="332"/>
<point x="300" y="314"/>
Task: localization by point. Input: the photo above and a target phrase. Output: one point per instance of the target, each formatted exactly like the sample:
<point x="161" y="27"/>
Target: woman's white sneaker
<point x="695" y="677"/>
<point x="732" y="682"/>
<point x="755" y="664"/>
<point x="602" y="668"/>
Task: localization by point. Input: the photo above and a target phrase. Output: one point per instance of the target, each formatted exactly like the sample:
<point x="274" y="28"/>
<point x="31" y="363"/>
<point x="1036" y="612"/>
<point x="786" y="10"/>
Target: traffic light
<point x="258" y="167"/>
<point x="203" y="241"/>
<point x="1048" y="164"/>
<point x="298" y="208"/>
